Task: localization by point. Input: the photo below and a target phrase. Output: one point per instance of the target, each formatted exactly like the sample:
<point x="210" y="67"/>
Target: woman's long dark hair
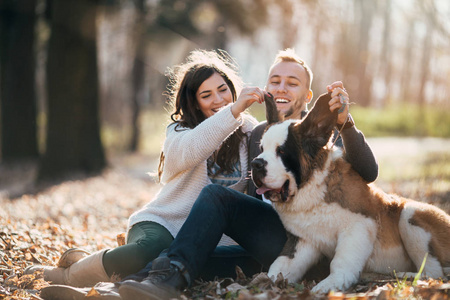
<point x="185" y="81"/>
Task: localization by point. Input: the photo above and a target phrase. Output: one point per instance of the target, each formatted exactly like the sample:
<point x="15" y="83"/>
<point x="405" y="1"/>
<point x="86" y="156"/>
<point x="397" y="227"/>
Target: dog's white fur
<point x="355" y="241"/>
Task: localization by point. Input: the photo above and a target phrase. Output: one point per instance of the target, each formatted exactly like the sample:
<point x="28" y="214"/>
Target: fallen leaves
<point x="261" y="287"/>
<point x="88" y="214"/>
<point x="92" y="214"/>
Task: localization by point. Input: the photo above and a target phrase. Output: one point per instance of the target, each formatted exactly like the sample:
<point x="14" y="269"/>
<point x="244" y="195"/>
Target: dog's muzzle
<point x="258" y="171"/>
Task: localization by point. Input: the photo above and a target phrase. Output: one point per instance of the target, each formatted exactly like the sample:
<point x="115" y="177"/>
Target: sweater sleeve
<point x="359" y="154"/>
<point x="185" y="148"/>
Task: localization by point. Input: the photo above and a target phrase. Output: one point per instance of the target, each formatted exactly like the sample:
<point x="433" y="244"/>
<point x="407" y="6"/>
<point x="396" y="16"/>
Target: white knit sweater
<point x="185" y="172"/>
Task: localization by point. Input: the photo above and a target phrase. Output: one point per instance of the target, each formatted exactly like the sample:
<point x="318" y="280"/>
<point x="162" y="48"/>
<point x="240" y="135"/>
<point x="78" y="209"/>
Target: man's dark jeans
<point x="252" y="223"/>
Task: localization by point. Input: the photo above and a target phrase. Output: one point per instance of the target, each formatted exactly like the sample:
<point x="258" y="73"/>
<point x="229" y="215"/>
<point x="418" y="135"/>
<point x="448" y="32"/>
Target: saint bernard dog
<point x="329" y="210"/>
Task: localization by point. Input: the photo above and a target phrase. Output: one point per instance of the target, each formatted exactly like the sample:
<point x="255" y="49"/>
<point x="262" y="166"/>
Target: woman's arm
<point x="186" y="148"/>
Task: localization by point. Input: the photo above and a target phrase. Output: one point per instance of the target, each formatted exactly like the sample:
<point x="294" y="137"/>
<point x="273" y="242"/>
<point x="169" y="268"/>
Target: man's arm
<point x="359" y="154"/>
<point x="357" y="151"/>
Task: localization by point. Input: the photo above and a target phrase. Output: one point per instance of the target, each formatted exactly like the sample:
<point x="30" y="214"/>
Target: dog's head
<point x="292" y="150"/>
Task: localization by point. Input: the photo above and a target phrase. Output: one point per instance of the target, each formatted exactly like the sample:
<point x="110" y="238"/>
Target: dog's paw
<point x="280" y="265"/>
<point x="337" y="282"/>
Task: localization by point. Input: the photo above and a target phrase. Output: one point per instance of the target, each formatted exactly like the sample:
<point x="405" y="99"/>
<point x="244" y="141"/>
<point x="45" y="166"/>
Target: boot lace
<point x="157" y="276"/>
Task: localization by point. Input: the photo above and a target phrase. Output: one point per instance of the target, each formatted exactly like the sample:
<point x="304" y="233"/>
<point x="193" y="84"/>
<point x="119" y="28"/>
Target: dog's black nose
<point x="258" y="164"/>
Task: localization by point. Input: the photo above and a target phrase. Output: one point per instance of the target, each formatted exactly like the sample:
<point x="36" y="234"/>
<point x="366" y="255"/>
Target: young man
<point x="252" y="223"/>
<point x="289" y="82"/>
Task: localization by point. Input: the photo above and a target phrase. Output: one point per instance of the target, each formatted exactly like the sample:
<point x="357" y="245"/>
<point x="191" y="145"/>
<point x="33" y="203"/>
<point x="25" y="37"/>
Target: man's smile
<point x="282" y="100"/>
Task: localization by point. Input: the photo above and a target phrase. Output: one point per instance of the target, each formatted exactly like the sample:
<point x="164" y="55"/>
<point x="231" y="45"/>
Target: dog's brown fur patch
<point x="437" y="223"/>
<point x="350" y="191"/>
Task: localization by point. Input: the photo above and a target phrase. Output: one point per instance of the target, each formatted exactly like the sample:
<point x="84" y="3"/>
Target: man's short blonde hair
<point x="289" y="55"/>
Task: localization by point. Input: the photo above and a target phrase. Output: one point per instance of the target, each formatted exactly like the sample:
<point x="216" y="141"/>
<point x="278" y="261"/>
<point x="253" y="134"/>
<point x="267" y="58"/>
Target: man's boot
<point x="102" y="290"/>
<point x="85" y="272"/>
<point x="165" y="281"/>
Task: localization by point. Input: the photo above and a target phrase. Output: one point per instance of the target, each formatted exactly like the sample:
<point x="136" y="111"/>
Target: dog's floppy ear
<point x="319" y="123"/>
<point x="272" y="115"/>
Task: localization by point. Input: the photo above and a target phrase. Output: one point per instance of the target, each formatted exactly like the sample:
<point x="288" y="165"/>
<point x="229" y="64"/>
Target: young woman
<point x="252" y="223"/>
<point x="205" y="143"/>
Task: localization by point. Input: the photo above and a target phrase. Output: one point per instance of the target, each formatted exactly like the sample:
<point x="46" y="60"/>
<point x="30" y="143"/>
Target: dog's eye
<point x="280" y="150"/>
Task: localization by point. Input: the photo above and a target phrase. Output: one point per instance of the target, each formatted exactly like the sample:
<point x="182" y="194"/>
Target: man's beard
<point x="289" y="113"/>
<point x="294" y="108"/>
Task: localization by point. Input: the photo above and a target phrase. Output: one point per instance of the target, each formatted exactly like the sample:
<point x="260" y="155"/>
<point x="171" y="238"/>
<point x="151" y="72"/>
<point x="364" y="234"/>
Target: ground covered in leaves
<point x="38" y="223"/>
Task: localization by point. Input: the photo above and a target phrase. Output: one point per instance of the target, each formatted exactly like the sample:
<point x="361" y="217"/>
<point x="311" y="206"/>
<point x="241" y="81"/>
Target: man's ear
<point x="309" y="96"/>
<point x="319" y="123"/>
<point x="272" y="114"/>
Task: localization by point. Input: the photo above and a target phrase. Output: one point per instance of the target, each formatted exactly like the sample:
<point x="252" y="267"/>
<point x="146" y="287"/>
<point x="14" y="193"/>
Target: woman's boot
<point x="84" y="273"/>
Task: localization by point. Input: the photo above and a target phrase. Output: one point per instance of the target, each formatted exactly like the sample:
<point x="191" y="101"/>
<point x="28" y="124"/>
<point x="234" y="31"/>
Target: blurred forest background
<point x="82" y="80"/>
<point x="82" y="93"/>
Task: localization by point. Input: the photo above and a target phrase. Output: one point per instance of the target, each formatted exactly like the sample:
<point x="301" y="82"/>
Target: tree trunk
<point x="289" y="25"/>
<point x="73" y="132"/>
<point x="363" y="95"/>
<point x="138" y="75"/>
<point x="407" y="62"/>
<point x="319" y="53"/>
<point x="17" y="87"/>
<point x="386" y="66"/>
<point x="426" y="57"/>
<point x="347" y="49"/>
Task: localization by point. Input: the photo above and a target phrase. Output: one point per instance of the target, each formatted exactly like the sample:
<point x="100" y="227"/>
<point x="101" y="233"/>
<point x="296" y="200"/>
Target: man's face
<point x="288" y="83"/>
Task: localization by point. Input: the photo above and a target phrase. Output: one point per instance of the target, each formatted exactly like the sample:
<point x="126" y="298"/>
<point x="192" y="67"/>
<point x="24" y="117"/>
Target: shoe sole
<point x="58" y="292"/>
<point x="128" y="292"/>
<point x="65" y="292"/>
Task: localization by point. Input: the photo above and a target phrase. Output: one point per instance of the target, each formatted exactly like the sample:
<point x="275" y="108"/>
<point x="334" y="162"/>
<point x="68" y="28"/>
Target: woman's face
<point x="213" y="94"/>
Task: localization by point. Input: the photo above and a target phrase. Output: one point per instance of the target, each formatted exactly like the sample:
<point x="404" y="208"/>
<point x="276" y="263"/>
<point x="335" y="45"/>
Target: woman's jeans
<point x="252" y="223"/>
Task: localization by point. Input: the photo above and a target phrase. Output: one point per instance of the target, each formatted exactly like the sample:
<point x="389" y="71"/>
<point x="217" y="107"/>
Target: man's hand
<point x="339" y="100"/>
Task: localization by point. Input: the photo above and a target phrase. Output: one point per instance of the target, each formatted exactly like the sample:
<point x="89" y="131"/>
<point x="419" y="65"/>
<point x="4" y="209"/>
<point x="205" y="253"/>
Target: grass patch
<point x="403" y="120"/>
<point x="436" y="165"/>
<point x="394" y="120"/>
<point x="432" y="165"/>
<point x="153" y="130"/>
<point x="417" y="277"/>
<point x="152" y="124"/>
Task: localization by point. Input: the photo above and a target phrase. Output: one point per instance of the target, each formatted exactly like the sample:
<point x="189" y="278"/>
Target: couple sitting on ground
<point x="201" y="217"/>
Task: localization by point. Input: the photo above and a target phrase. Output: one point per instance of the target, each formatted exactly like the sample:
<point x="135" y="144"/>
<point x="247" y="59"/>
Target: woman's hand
<point x="248" y="96"/>
<point x="339" y="100"/>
